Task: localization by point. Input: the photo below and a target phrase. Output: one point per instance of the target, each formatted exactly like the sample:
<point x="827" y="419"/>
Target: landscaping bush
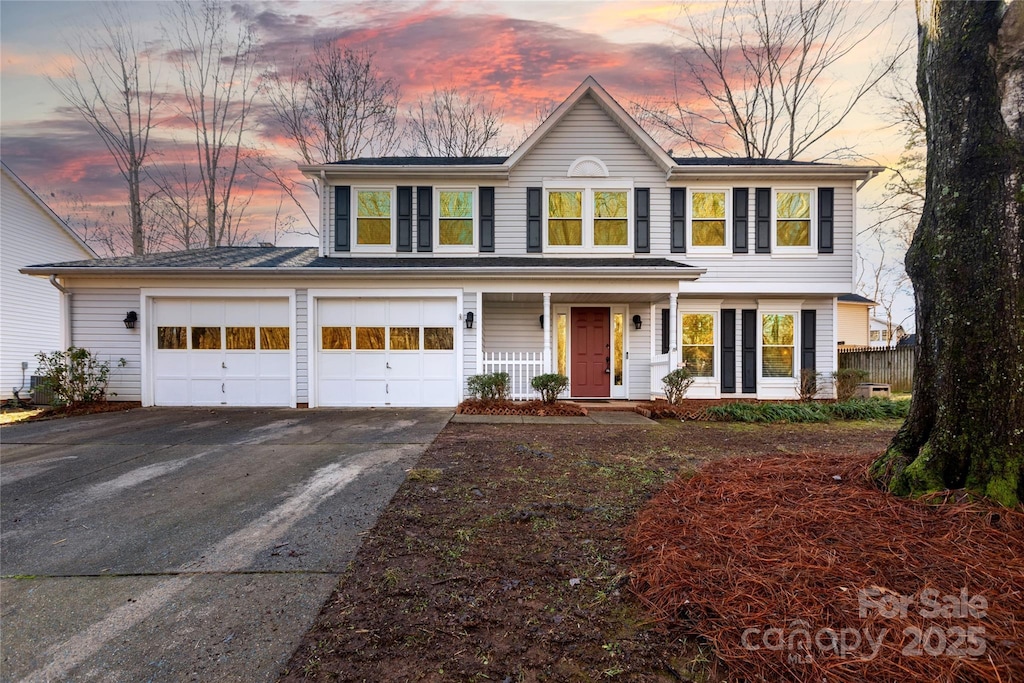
<point x="855" y="409"/>
<point x="676" y="383"/>
<point x="846" y="381"/>
<point x="808" y="384"/>
<point x="489" y="387"/>
<point x="75" y="376"/>
<point x="549" y="386"/>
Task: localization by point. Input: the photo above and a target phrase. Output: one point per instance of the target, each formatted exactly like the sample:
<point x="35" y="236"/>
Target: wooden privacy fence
<point x="894" y="367"/>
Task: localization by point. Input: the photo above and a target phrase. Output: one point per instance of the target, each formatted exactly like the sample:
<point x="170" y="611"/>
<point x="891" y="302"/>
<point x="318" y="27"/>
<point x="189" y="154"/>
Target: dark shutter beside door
<point x="748" y="363"/>
<point x="808" y="343"/>
<point x="763" y="218"/>
<point x="486" y="219"/>
<point x="342" y="219"/>
<point x="666" y="331"/>
<point x="534" y="234"/>
<point x="424" y="221"/>
<point x="826" y="209"/>
<point x="728" y="350"/>
<point x="678" y="207"/>
<point x="642" y="220"/>
<point x="404" y="219"/>
<point x="740" y="213"/>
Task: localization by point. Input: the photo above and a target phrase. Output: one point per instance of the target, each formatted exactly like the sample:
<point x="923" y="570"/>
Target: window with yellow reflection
<point x="404" y="338"/>
<point x="619" y="335"/>
<point x="369" y="338"/>
<point x="455" y="218"/>
<point x="373" y="217"/>
<point x="561" y="332"/>
<point x="274" y="338"/>
<point x="793" y="218"/>
<point x="708" y="223"/>
<point x="778" y="344"/>
<point x="565" y="218"/>
<point x="336" y="338"/>
<point x="611" y="222"/>
<point x="697" y="343"/>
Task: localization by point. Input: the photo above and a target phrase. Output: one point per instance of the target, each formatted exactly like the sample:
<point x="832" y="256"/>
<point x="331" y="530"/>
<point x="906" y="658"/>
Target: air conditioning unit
<point x="42" y="395"/>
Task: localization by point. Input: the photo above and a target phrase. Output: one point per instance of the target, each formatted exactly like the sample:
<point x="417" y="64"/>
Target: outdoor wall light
<point x="541" y="318"/>
<point x="130" y="319"/>
<point x="469" y="320"/>
<point x="637" y="322"/>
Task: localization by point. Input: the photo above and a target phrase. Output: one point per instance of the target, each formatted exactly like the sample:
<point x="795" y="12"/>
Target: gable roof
<point x="46" y="209"/>
<point x="855" y="299"/>
<point x="613" y="109"/>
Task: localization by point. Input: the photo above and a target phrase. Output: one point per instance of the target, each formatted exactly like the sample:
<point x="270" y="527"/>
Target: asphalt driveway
<point x="185" y="544"/>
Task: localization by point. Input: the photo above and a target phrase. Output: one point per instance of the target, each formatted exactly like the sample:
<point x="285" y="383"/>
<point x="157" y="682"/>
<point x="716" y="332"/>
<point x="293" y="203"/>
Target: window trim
<point x="436" y="219"/>
<point x="810" y="249"/>
<point x="587" y="186"/>
<point x="789" y="307"/>
<point x="354" y="200"/>
<point x="724" y="250"/>
<point x="698" y="306"/>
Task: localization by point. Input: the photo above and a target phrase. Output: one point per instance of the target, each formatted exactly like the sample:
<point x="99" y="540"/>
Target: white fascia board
<point x="440" y="172"/>
<point x="690" y="174"/>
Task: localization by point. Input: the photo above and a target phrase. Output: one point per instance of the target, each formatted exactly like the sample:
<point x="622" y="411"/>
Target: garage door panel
<point x="241" y="365"/>
<point x="206" y="364"/>
<point x="242" y="313"/>
<point x="441" y="313"/>
<point x="405" y="366"/>
<point x="274" y="392"/>
<point x="275" y="365"/>
<point x="335" y="366"/>
<point x="171" y="392"/>
<point x="369" y="393"/>
<point x="207" y="313"/>
<point x="171" y="311"/>
<point x="405" y="392"/>
<point x="438" y="393"/>
<point x="337" y="392"/>
<point x="370" y="313"/>
<point x="405" y="313"/>
<point x="335" y="313"/>
<point x="371" y="364"/>
<point x="170" y="363"/>
<point x="274" y="313"/>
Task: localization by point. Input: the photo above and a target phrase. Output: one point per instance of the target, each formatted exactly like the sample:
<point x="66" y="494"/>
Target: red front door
<point x="591" y="352"/>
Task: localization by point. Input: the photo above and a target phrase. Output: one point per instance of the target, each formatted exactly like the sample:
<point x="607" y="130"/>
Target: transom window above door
<point x="597" y="217"/>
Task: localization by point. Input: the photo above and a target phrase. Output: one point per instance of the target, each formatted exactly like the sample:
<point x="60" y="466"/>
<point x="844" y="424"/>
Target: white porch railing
<point x="659" y="368"/>
<point x="521" y="366"/>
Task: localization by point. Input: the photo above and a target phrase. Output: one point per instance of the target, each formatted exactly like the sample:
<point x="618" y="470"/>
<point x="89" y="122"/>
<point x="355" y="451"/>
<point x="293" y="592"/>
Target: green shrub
<point x="489" y="387"/>
<point x="856" y="409"/>
<point x="846" y="381"/>
<point x="676" y="383"/>
<point x="549" y="386"/>
<point x="75" y="376"/>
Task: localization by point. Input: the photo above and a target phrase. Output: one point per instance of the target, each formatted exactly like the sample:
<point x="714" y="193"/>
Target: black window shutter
<point x="424" y="220"/>
<point x="486" y="219"/>
<point x="748" y="363"/>
<point x="678" y="202"/>
<point x="740" y="213"/>
<point x="763" y="211"/>
<point x="342" y="220"/>
<point x="808" y="336"/>
<point x="533" y="226"/>
<point x="404" y="219"/>
<point x="728" y="350"/>
<point x="642" y="220"/>
<point x="826" y="208"/>
<point x="666" y="331"/>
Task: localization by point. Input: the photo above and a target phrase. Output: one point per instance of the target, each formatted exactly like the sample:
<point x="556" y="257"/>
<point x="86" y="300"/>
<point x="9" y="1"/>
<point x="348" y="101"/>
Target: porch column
<point x="673" y="332"/>
<point x="547" y="332"/>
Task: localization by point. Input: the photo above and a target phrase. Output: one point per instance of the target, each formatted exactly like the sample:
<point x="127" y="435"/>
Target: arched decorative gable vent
<point x="588" y="167"/>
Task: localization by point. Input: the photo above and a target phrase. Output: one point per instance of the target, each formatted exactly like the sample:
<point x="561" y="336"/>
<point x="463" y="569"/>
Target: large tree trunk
<point x="966" y="424"/>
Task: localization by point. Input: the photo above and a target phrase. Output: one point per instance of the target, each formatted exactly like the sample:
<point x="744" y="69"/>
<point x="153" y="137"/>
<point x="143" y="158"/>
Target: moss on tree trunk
<point x="966" y="424"/>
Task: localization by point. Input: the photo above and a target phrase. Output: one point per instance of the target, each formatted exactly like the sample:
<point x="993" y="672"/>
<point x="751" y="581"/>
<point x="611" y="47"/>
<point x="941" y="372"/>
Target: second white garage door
<point x="386" y="352"/>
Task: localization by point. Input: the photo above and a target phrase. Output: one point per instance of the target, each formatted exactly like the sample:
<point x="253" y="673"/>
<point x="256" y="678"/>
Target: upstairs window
<point x="792" y="220"/>
<point x="374" y="218"/>
<point x="709" y="220"/>
<point x="456" y="219"/>
<point x="598" y="217"/>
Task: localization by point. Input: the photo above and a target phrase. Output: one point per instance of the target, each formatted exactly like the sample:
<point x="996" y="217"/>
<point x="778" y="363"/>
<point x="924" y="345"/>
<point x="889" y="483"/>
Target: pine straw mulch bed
<point x="538" y="408"/>
<point x="694" y="409"/>
<point x="38" y="413"/>
<point x="804" y="544"/>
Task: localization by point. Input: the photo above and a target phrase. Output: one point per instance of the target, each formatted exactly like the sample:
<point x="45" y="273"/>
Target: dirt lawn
<point x="501" y="557"/>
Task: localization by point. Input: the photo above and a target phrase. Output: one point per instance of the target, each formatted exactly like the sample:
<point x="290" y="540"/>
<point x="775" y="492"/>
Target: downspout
<point x="871" y="176"/>
<point x="65" y="313"/>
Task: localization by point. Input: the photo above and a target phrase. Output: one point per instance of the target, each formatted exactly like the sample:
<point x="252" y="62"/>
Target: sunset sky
<point x="525" y="55"/>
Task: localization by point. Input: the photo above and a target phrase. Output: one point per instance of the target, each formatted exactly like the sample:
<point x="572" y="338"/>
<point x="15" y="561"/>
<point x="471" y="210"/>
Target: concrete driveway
<point x="186" y="544"/>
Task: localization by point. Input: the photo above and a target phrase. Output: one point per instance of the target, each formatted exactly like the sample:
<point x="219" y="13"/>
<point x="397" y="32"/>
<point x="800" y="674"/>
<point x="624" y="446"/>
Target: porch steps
<point x="607" y="405"/>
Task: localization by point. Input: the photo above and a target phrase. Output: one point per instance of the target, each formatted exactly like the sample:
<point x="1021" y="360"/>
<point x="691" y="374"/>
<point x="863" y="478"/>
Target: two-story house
<point x="589" y="251"/>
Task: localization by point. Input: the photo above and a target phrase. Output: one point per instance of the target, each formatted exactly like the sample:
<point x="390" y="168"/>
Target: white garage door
<point x="221" y="352"/>
<point x="378" y="352"/>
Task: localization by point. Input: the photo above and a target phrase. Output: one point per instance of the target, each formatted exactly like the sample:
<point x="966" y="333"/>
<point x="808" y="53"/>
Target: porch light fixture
<point x="637" y="322"/>
<point x="130" y="319"/>
<point x="469" y="320"/>
<point x="541" y="318"/>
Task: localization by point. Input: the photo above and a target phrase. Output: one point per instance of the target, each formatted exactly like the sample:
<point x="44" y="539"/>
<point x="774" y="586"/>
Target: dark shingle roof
<point x="745" y="161"/>
<point x="246" y="258"/>
<point x="856" y="299"/>
<point x="421" y="161"/>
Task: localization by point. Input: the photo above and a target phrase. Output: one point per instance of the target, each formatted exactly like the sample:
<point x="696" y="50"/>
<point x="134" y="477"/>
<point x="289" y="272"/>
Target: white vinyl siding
<point x="469" y="344"/>
<point x="97" y="317"/>
<point x="512" y="326"/>
<point x="586" y="130"/>
<point x="31" y="307"/>
<point x="639" y="349"/>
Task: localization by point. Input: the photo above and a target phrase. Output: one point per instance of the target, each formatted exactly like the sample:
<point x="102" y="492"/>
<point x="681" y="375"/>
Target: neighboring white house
<point x="884" y="334"/>
<point x="589" y="251"/>
<point x="854" y="312"/>
<point x="30" y="307"/>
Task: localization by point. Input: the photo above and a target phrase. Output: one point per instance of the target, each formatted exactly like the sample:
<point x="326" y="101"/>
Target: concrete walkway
<point x="601" y="417"/>
<point x="186" y="544"/>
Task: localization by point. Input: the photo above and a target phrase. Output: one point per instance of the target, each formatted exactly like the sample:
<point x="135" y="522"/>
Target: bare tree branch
<point x="449" y="124"/>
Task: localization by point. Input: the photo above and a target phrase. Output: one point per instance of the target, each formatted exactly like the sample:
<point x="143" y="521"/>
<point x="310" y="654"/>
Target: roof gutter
<point x="810" y="172"/>
<point x="482" y="171"/>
